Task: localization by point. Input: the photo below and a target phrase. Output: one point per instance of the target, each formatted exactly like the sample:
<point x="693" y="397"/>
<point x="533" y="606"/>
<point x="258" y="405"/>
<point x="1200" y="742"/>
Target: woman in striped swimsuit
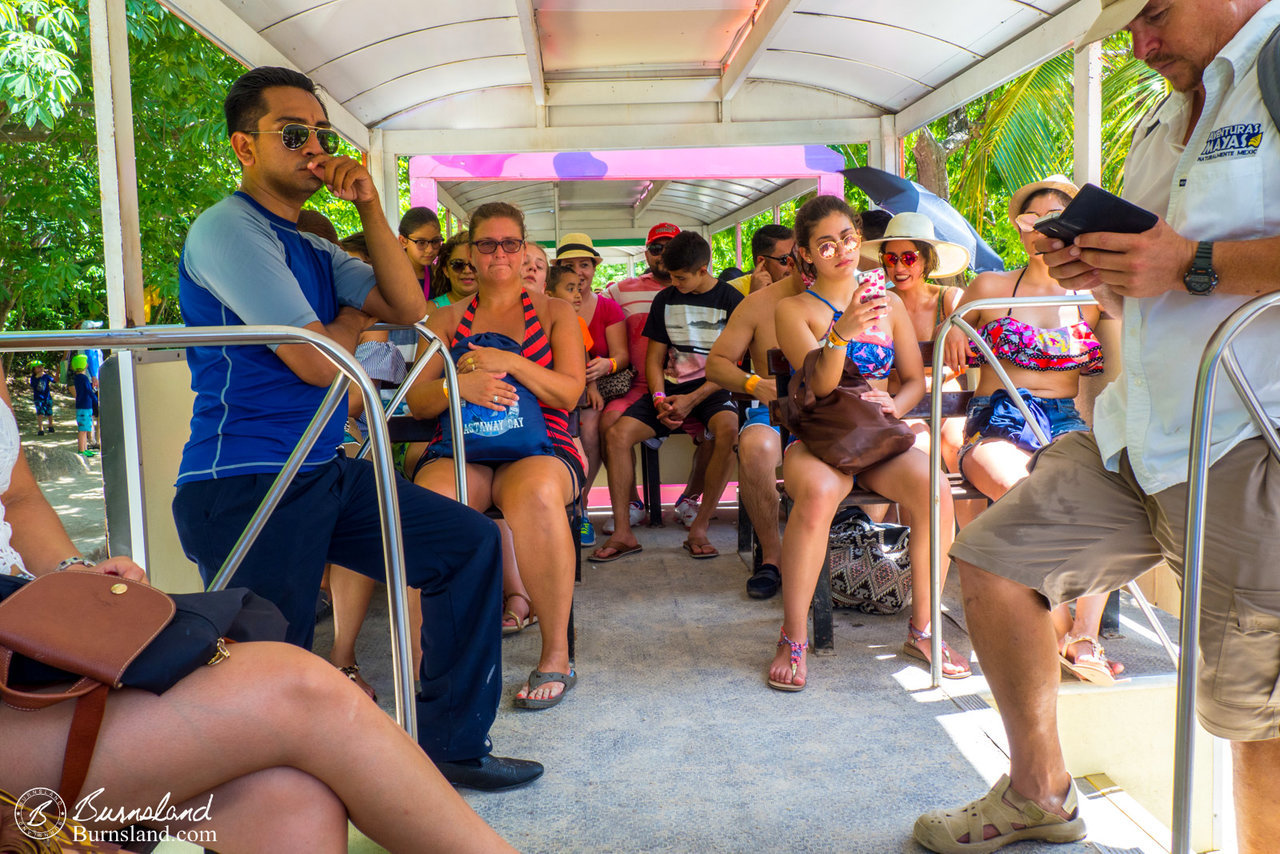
<point x="531" y="492"/>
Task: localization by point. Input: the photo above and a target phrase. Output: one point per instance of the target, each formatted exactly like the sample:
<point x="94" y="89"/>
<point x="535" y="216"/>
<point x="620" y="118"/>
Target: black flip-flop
<point x="764" y="584"/>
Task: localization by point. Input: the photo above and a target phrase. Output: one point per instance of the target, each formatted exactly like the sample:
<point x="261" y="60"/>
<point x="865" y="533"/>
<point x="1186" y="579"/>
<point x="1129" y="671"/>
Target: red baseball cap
<point x="663" y="229"/>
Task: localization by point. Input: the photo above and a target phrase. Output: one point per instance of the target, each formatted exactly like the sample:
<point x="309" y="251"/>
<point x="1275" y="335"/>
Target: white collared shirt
<point x="1223" y="185"/>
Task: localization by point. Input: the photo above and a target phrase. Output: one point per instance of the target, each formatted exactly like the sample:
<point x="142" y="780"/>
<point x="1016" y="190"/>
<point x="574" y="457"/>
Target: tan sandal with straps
<point x="520" y="623"/>
<point x="1090" y="666"/>
<point x="1014" y="818"/>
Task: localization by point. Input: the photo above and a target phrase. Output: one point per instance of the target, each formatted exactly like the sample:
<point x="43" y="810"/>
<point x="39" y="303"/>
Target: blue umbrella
<point x="896" y="195"/>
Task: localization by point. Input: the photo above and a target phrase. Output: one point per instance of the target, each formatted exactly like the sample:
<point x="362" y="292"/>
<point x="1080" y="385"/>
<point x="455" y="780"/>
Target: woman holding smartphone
<point x="876" y="334"/>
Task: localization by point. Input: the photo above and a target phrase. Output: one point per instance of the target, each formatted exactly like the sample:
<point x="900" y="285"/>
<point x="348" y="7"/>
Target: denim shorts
<point x="1062" y="413"/>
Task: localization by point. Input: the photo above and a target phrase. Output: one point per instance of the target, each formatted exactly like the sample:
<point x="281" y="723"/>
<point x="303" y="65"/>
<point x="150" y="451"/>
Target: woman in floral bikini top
<point x="1045" y="350"/>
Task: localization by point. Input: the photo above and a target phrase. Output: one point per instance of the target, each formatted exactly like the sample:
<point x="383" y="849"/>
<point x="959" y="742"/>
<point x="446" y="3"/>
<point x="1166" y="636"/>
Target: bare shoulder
<point x="991" y="285"/>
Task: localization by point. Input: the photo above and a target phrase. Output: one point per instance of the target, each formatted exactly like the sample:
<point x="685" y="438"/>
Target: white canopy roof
<point x="502" y="76"/>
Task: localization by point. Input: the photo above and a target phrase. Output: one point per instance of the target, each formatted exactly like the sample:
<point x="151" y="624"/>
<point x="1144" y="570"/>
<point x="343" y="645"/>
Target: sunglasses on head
<point x="1027" y="221"/>
<point x="424" y="242"/>
<point x="487" y="246"/>
<point x="295" y="135"/>
<point x="827" y="248"/>
<point x="784" y="260"/>
<point x="457" y="265"/>
<point x="656" y="247"/>
<point x="908" y="258"/>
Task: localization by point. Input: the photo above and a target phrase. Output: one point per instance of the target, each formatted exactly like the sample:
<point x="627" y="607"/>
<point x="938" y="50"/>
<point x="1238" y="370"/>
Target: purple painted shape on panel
<point x="579" y="164"/>
<point x="822" y="159"/>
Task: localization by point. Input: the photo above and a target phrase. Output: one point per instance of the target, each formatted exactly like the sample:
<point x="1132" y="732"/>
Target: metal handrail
<point x="142" y="338"/>
<point x="957" y="320"/>
<point x="435" y="345"/>
<point x="1217" y="352"/>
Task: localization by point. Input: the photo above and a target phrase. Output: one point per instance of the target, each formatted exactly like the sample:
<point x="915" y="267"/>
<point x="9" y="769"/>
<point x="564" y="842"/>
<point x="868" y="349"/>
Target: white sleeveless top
<point x="10" y="560"/>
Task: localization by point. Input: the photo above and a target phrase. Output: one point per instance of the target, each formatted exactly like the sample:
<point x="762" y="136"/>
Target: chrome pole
<point x="148" y="337"/>
<point x="1216" y="351"/>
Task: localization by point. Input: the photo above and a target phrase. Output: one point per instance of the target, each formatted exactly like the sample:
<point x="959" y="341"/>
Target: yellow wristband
<point x="613" y="366"/>
<point x="444" y="388"/>
<point x="749" y="386"/>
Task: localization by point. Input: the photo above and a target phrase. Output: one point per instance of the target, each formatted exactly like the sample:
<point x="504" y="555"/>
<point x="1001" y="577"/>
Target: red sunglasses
<point x="908" y="258"/>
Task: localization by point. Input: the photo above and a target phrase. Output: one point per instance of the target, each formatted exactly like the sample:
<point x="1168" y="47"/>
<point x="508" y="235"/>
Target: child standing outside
<point x="41" y="383"/>
<point x="86" y="402"/>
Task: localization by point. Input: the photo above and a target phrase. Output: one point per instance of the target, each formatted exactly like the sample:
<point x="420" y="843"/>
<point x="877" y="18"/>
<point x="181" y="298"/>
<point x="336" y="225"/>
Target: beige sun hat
<point x="576" y="245"/>
<point x="1061" y="183"/>
<point x="909" y="225"/>
<point x="1114" y="17"/>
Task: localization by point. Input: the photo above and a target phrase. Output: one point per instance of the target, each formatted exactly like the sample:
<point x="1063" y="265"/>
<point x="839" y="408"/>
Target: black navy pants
<point x="330" y="514"/>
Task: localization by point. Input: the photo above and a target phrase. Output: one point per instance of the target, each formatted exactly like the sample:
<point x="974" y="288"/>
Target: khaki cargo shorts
<point x="1073" y="528"/>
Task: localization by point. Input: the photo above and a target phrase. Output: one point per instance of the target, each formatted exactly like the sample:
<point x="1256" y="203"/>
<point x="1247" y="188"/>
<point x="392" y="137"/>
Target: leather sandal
<point x="797" y="650"/>
<point x="521" y="623"/>
<point x="912" y="648"/>
<point x="352" y="672"/>
<point x="1090" y="666"/>
<point x="1014" y="818"/>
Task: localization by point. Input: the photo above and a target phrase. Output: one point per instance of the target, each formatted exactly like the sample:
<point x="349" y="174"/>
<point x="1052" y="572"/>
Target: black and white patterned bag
<point x="870" y="566"/>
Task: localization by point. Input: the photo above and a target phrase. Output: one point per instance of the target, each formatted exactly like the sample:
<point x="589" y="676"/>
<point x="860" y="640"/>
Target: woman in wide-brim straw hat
<point x="911" y="254"/>
<point x="609" y="351"/>
<point x="1045" y="350"/>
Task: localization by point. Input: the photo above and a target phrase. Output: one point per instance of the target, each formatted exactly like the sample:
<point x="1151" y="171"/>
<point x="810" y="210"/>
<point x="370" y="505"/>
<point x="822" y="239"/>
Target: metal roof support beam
<point x="1045" y="40"/>
<point x="607" y="138"/>
<point x="383" y="169"/>
<point x="1088" y="115"/>
<point x="242" y="43"/>
<point x="655" y="187"/>
<point x="883" y="150"/>
<point x="533" y="53"/>
<point x="765" y="203"/>
<point x="746" y="54"/>
<point x="121" y="235"/>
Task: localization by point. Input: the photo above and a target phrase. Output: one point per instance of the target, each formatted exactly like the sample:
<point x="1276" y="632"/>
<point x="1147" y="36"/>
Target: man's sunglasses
<point x="488" y="246"/>
<point x="424" y="242"/>
<point x="457" y="265"/>
<point x="908" y="258"/>
<point x="656" y="247"/>
<point x="827" y="248"/>
<point x="294" y="136"/>
<point x="784" y="260"/>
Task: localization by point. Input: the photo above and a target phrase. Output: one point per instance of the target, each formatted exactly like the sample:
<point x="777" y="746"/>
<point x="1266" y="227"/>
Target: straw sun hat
<point x="577" y="245"/>
<point x="909" y="225"/>
<point x="1061" y="183"/>
<point x="1115" y="16"/>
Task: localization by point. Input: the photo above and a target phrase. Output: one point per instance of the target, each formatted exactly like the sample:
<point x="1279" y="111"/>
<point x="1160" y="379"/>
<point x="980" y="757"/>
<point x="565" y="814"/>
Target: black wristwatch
<point x="1201" y="279"/>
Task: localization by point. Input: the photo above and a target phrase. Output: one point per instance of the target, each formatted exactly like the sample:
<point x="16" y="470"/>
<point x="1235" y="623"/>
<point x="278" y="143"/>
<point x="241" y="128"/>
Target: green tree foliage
<point x="1023" y="132"/>
<point x="51" y="267"/>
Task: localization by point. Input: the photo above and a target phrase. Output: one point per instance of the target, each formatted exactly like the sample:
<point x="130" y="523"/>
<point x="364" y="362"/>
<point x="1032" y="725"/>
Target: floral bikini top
<point x="870" y="352"/>
<point x="1067" y="348"/>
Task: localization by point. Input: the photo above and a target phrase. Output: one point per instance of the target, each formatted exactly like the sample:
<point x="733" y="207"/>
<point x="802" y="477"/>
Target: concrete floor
<point x="671" y="740"/>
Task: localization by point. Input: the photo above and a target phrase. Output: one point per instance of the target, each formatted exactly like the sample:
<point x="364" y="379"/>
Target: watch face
<point x="1200" y="281"/>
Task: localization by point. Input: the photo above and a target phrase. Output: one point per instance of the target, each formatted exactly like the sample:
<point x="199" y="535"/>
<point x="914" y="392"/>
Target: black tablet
<point x="1094" y="209"/>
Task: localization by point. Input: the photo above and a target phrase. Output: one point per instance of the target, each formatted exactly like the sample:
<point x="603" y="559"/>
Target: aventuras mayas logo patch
<point x="1241" y="140"/>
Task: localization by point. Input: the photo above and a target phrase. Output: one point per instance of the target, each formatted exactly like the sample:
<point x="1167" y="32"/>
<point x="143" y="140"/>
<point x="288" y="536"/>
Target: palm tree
<point x="1024" y="130"/>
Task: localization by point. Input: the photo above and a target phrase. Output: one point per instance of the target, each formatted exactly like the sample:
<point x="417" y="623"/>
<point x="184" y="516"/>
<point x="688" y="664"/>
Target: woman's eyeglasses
<point x="294" y="136"/>
<point x="488" y="246"/>
<point x="424" y="242"/>
<point x="827" y="248"/>
<point x="1027" y="221"/>
<point x="457" y="265"/>
<point x="907" y="258"/>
